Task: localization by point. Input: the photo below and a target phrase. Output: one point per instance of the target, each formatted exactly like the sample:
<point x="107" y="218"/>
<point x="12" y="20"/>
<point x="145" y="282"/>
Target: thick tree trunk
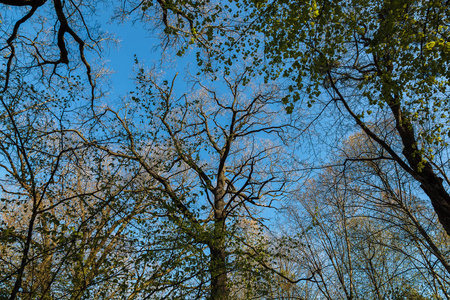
<point x="433" y="186"/>
<point x="218" y="269"/>
<point x="218" y="263"/>
<point x="422" y="170"/>
<point x="415" y="164"/>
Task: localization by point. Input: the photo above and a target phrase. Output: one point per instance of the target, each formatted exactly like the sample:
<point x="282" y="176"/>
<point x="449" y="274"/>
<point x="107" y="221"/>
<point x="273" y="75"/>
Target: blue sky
<point x="136" y="40"/>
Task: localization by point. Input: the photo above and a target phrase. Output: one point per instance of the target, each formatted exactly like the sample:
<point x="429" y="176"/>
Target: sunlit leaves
<point x="372" y="49"/>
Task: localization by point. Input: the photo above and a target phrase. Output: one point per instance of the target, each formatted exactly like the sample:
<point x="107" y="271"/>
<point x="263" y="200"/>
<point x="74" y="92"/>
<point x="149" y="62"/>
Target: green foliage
<point x="380" y="53"/>
<point x="132" y="202"/>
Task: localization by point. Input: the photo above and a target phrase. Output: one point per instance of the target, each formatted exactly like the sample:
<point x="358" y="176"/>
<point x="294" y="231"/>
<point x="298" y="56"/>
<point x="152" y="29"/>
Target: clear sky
<point x="136" y="40"/>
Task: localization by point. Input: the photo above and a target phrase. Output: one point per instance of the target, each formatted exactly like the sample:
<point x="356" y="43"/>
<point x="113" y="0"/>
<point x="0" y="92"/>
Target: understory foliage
<point x="302" y="155"/>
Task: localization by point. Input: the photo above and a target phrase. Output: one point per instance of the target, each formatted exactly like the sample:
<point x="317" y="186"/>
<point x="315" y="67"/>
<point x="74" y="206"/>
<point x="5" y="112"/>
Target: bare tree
<point x="214" y="154"/>
<point x="367" y="230"/>
<point x="65" y="207"/>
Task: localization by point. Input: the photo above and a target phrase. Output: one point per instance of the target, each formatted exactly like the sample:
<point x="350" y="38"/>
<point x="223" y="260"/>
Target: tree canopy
<point x="378" y="61"/>
<point x="303" y="154"/>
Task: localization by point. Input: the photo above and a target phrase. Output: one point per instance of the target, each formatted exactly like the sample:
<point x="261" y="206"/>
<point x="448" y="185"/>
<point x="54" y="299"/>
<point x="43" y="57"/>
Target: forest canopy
<point x="261" y="150"/>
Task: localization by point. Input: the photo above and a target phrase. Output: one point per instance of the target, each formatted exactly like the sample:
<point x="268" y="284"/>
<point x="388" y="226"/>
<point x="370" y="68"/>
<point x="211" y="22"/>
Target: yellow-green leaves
<point x="313" y="10"/>
<point x="430" y="45"/>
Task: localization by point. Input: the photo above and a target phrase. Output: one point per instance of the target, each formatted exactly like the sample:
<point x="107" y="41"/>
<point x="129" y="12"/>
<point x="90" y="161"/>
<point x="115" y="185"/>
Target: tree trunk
<point x="218" y="270"/>
<point x="218" y="264"/>
<point x="433" y="186"/>
<point x="422" y="171"/>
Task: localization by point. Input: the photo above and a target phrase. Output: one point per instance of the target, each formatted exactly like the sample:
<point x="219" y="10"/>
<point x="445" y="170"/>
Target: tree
<point x="364" y="230"/>
<point x="374" y="61"/>
<point x="33" y="153"/>
<point x="213" y="163"/>
<point x="65" y="212"/>
<point x="46" y="44"/>
<point x="50" y="41"/>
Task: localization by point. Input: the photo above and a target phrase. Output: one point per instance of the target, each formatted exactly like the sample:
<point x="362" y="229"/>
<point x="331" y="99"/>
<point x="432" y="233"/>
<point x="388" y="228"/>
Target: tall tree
<point x="374" y="60"/>
<point x="217" y="156"/>
<point x="364" y="229"/>
<point x="64" y="208"/>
